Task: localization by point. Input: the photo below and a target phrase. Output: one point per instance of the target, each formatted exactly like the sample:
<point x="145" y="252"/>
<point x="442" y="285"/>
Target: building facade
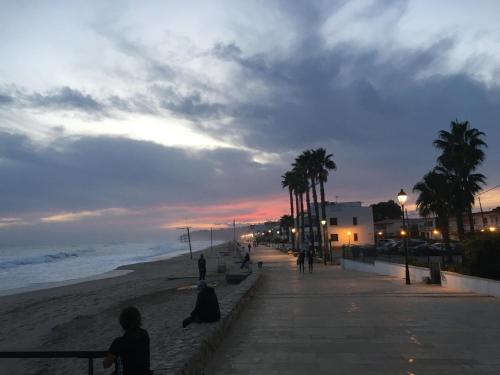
<point x="347" y="223"/>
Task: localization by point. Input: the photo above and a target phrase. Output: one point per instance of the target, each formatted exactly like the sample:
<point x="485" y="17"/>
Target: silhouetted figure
<point x="310" y="259"/>
<point x="130" y="352"/>
<point x="207" y="306"/>
<point x="249" y="247"/>
<point x="245" y="262"/>
<point x="301" y="261"/>
<point x="202" y="267"/>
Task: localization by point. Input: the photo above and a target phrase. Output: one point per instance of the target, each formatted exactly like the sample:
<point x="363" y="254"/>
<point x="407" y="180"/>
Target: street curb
<point x="195" y="364"/>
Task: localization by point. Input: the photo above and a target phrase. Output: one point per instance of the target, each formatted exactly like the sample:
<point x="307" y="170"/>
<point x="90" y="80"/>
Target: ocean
<point x="30" y="268"/>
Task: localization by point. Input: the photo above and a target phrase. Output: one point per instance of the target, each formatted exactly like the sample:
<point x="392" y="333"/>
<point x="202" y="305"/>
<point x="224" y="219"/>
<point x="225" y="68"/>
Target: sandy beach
<point x="84" y="316"/>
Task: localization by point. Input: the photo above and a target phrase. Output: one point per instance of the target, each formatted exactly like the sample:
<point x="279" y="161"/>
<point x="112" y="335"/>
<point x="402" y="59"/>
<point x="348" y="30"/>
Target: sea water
<point x="27" y="268"/>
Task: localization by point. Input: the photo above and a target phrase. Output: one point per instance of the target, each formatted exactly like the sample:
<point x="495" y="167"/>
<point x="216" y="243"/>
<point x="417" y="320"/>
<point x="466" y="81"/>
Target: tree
<point x="461" y="153"/>
<point x="386" y="210"/>
<point x="286" y="222"/>
<point x="301" y="168"/>
<point x="324" y="165"/>
<point x="287" y="181"/>
<point x="434" y="198"/>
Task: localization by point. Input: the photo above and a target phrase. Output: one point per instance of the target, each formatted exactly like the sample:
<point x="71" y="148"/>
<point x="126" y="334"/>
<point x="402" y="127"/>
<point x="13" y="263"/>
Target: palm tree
<point x="287" y="181"/>
<point x="313" y="166"/>
<point x="461" y="154"/>
<point x="300" y="187"/>
<point x="286" y="222"/>
<point x="301" y="168"/>
<point x="326" y="164"/>
<point x="434" y="198"/>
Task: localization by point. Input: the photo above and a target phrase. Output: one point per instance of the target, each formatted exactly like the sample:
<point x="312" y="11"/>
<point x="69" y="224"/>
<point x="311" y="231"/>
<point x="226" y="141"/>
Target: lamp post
<point x="402" y="197"/>
<point x="323" y="224"/>
<point x="293" y="238"/>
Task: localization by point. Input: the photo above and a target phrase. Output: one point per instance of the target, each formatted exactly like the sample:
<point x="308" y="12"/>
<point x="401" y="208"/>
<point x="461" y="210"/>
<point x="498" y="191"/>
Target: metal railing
<point x="89" y="355"/>
<point x="369" y="254"/>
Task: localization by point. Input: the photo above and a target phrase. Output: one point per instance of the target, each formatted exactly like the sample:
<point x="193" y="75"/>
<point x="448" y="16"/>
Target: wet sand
<point x="84" y="316"/>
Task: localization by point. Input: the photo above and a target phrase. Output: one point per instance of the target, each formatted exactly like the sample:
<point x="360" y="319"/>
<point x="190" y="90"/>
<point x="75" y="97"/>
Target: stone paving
<point x="347" y="322"/>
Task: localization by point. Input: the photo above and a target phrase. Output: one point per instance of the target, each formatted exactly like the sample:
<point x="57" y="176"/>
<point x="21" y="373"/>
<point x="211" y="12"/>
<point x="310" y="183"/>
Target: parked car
<point x="456" y="247"/>
<point x="384" y="245"/>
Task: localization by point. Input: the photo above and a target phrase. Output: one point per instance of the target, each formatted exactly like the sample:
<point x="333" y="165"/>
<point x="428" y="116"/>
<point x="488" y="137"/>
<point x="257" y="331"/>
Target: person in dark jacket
<point x="245" y="262"/>
<point x="310" y="258"/>
<point x="130" y="352"/>
<point x="202" y="267"/>
<point x="300" y="260"/>
<point x="207" y="306"/>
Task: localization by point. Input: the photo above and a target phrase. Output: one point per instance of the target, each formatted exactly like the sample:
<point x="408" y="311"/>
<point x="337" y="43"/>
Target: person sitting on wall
<point x="207" y="306"/>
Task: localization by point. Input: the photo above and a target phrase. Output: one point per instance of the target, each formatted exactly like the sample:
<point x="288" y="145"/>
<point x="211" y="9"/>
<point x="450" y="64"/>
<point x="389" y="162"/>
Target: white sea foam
<point x="28" y="268"/>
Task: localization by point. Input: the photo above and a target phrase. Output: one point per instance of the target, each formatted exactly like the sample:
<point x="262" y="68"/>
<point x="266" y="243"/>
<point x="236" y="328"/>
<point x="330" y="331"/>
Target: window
<point x="354" y="221"/>
<point x="333" y="221"/>
<point x="355" y="237"/>
<point x="334" y="237"/>
<point x="485" y="220"/>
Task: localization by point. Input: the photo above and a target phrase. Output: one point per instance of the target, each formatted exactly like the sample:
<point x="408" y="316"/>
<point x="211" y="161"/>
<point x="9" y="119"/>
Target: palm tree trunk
<point x="446" y="236"/>
<point x="291" y="214"/>
<point x="460" y="225"/>
<point x="309" y="216"/>
<point x="302" y="224"/>
<point x="316" y="214"/>
<point x="297" y="221"/>
<point x="291" y="202"/>
<point x="471" y="219"/>
<point x="459" y="212"/>
<point x="323" y="202"/>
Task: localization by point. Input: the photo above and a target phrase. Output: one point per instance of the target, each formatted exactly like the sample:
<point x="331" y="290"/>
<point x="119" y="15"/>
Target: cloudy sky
<point x="120" y="120"/>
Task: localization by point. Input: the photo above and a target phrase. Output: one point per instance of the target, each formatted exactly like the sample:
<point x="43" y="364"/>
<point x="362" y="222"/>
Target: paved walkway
<point x="346" y="322"/>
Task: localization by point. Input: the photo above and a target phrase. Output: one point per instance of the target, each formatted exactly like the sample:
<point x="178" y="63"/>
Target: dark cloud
<point x="93" y="173"/>
<point x="65" y="98"/>
<point x="5" y="99"/>
<point x="359" y="98"/>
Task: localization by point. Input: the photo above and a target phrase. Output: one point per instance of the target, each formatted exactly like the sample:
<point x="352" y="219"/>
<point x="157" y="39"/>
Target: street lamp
<point x="293" y="238"/>
<point x="402" y="197"/>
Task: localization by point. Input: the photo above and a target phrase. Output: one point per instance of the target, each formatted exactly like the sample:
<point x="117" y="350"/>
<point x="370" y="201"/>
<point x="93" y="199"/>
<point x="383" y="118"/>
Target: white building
<point x="348" y="223"/>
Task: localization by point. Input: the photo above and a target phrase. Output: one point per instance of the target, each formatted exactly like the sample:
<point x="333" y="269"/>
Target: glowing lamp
<point x="402" y="197"/>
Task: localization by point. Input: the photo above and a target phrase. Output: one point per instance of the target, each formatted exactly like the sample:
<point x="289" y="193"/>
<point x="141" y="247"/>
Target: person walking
<point x="249" y="247"/>
<point x="246" y="261"/>
<point x="310" y="259"/>
<point x="202" y="267"/>
<point x="301" y="260"/>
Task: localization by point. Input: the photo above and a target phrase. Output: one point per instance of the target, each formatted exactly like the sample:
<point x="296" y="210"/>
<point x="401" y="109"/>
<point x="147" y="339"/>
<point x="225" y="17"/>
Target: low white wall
<point x="357" y="266"/>
<point x="470" y="283"/>
<point x="417" y="274"/>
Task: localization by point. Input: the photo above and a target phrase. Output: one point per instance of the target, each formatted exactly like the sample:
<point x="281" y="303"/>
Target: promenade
<point x="347" y="322"/>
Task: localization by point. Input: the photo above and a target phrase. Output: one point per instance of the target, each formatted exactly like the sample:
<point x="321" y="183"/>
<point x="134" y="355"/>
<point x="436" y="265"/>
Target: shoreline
<point x="83" y="315"/>
<point x="116" y="272"/>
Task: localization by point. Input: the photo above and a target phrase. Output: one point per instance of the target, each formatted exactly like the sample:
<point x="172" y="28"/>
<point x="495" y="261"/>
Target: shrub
<point x="482" y="255"/>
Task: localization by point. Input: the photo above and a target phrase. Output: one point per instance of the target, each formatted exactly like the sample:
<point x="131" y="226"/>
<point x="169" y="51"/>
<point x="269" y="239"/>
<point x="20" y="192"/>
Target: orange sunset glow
<point x="221" y="215"/>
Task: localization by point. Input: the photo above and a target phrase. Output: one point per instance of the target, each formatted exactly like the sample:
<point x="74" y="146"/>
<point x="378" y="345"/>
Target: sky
<point x="122" y="120"/>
